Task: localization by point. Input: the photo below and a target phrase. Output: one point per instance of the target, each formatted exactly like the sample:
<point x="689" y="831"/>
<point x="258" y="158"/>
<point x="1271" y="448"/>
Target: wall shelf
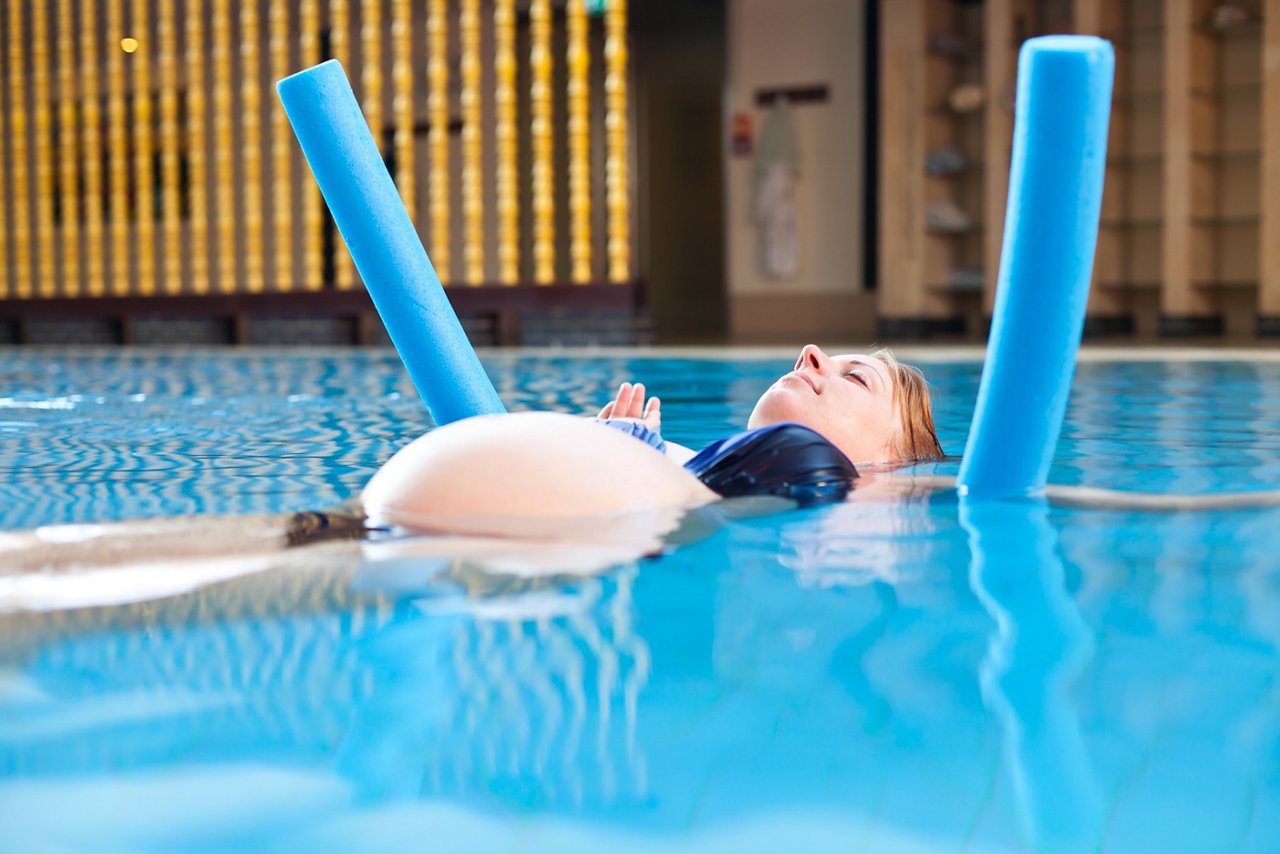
<point x="954" y="233"/>
<point x="1135" y="38"/>
<point x="1120" y="161"/>
<point x="1226" y="285"/>
<point x="1227" y="221"/>
<point x="1241" y="154"/>
<point x="948" y="288"/>
<point x="1232" y="90"/>
<point x="1134" y="98"/>
<point x="1251" y="28"/>
<point x="1149" y="285"/>
<point x="1154" y="222"/>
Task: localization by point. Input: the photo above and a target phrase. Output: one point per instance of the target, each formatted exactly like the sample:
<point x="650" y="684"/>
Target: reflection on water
<point x="911" y="684"/>
<point x="1039" y="646"/>
<point x="867" y="539"/>
<point x="534" y="701"/>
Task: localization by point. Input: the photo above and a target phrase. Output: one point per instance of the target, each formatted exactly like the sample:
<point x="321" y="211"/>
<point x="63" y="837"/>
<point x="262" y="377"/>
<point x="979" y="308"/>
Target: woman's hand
<point x="630" y="403"/>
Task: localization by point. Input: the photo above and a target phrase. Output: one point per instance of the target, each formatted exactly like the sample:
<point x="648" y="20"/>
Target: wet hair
<point x="917" y="439"/>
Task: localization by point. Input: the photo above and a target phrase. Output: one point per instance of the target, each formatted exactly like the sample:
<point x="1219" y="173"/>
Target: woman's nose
<point x="813" y="358"/>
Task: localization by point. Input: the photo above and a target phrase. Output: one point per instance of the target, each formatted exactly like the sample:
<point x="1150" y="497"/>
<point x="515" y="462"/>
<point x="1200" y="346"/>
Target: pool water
<point x="910" y="675"/>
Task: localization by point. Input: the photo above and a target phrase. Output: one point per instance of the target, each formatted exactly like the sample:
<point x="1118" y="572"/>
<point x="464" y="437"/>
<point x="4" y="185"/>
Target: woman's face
<point x="848" y="399"/>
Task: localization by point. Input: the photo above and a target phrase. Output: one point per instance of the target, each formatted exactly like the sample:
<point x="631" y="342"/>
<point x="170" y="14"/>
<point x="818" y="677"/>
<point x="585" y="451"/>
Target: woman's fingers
<point x="611" y="409"/>
<point x="622" y="403"/>
<point x="653" y="413"/>
<point x="636" y="407"/>
<point x="630" y="403"/>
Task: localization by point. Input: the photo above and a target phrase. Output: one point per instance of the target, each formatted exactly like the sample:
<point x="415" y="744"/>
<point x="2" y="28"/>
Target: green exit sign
<point x="594" y="7"/>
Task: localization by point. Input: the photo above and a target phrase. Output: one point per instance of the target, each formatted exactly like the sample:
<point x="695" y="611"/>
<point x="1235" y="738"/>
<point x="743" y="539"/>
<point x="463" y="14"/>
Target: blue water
<point x="909" y="676"/>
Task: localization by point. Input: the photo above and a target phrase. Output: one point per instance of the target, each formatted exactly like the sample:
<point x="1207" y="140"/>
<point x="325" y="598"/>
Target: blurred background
<point x="614" y="172"/>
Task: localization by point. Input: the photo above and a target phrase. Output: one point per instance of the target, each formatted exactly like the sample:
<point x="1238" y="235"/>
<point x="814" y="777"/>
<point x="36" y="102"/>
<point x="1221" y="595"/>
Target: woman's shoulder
<point x="784" y="459"/>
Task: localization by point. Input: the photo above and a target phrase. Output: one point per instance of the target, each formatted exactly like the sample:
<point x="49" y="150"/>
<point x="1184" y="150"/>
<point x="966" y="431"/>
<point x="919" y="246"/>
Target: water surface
<point x="893" y="676"/>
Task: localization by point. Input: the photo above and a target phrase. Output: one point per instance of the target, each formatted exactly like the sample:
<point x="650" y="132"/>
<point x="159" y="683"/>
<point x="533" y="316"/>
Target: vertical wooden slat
<point x="472" y="137"/>
<point x="1269" y="234"/>
<point x="1187" y="119"/>
<point x="169" y="143"/>
<point x="371" y="67"/>
<point x="438" y="134"/>
<point x="24" y="275"/>
<point x="6" y="188"/>
<point x="1105" y="18"/>
<point x="542" y="140"/>
<point x="578" y="61"/>
<point x="402" y="99"/>
<point x="617" y="166"/>
<point x="312" y="214"/>
<point x="281" y="153"/>
<point x="19" y="167"/>
<point x="1000" y="61"/>
<point x="251" y="147"/>
<point x="68" y="152"/>
<point x="507" y="174"/>
<point x="119" y="270"/>
<point x="41" y="71"/>
<point x="340" y="48"/>
<point x="144" y="195"/>
<point x="93" y="200"/>
<point x="224" y="200"/>
<point x="197" y="194"/>
<point x="340" y="31"/>
<point x="902" y="152"/>
<point x="169" y="259"/>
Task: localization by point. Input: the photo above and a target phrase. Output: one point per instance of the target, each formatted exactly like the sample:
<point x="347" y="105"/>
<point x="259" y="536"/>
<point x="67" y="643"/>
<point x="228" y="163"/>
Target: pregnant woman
<point x="804" y="437"/>
<point x="523" y="494"/>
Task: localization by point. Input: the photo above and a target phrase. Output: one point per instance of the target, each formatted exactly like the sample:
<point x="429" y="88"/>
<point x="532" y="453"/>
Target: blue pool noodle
<point x="384" y="244"/>
<point x="1050" y="233"/>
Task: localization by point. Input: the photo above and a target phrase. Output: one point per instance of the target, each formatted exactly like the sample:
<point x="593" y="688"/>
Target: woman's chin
<point x="775" y="406"/>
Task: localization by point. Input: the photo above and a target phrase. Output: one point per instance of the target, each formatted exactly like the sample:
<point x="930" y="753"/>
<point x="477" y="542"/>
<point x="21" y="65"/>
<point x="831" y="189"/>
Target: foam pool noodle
<point x="1050" y="233"/>
<point x="384" y="244"/>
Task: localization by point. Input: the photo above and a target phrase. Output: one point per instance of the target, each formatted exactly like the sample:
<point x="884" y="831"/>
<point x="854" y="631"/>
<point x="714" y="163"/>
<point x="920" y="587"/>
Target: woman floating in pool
<point x="536" y="493"/>
<point x="804" y="437"/>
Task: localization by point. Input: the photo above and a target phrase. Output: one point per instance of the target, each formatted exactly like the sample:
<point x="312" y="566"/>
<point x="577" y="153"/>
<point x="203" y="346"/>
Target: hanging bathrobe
<point x="777" y="167"/>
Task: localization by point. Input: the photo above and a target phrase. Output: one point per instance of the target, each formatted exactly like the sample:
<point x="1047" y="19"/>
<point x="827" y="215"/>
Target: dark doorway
<point x="679" y="53"/>
<point x="871" y="147"/>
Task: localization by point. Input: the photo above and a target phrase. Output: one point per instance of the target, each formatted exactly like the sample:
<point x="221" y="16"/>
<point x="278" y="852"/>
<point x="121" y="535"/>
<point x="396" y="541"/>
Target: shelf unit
<point x="1189" y="240"/>
<point x="933" y="52"/>
<point x="1268" y="305"/>
<point x="1127" y="264"/>
<point x="1204" y="179"/>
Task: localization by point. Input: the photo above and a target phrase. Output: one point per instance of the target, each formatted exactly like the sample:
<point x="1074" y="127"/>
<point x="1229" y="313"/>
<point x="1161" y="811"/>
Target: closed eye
<point x="858" y="378"/>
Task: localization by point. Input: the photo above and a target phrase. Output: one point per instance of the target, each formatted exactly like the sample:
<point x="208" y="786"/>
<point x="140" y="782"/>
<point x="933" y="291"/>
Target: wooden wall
<point x="143" y="152"/>
<point x="1189" y="243"/>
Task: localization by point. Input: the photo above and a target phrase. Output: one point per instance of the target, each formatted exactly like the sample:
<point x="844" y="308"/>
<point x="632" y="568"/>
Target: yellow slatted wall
<point x="16" y="190"/>
<point x="145" y="153"/>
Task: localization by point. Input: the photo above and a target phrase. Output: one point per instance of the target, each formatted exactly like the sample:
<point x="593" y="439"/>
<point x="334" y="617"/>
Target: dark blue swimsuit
<point x="787" y="460"/>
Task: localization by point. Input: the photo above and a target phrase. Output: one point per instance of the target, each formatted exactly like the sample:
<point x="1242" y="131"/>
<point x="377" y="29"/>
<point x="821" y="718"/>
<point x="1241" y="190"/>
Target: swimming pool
<point x="909" y="676"/>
